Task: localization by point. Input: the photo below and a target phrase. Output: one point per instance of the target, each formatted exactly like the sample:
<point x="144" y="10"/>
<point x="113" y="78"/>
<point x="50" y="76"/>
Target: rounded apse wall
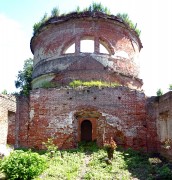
<point x="86" y="46"/>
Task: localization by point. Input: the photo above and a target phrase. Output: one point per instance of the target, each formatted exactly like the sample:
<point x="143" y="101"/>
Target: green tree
<point x="24" y="77"/>
<point x="4" y="92"/>
<point x="55" y="12"/>
<point x="128" y="21"/>
<point x="37" y="25"/>
<point x="159" y="92"/>
<point x="170" y="87"/>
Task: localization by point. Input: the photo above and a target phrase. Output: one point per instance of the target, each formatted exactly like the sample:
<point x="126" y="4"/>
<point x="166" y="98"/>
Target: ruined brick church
<point x="72" y="114"/>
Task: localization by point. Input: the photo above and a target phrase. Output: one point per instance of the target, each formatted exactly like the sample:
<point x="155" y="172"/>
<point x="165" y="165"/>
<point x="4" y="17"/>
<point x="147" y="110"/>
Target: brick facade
<point x="114" y="112"/>
<point x="7" y="118"/>
<point x="123" y="112"/>
<point x="52" y="63"/>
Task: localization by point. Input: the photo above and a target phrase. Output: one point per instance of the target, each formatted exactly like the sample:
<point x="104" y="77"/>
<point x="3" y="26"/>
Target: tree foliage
<point x="170" y="87"/>
<point x="159" y="92"/>
<point x="4" y="92"/>
<point x="37" y="25"/>
<point x="98" y="7"/>
<point x="55" y="12"/>
<point x="23" y="165"/>
<point x="92" y="8"/>
<point x="24" y="77"/>
<point x="128" y="21"/>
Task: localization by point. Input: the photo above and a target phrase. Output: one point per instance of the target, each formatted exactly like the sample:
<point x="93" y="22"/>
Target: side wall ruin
<point x="7" y="118"/>
<point x="162" y="113"/>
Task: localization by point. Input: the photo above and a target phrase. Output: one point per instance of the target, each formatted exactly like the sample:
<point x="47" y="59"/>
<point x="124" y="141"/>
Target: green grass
<point x="126" y="165"/>
<point x="64" y="165"/>
<point x="79" y="83"/>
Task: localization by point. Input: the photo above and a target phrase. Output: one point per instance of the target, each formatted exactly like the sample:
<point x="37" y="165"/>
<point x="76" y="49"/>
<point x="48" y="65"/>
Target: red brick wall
<point x="55" y="113"/>
<point x="11" y="128"/>
<point x="22" y="121"/>
<point x="49" y="45"/>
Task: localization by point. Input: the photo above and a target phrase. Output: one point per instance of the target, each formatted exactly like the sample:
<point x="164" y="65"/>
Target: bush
<point x="50" y="147"/>
<point x="165" y="172"/>
<point x="110" y="146"/>
<point x="23" y="165"/>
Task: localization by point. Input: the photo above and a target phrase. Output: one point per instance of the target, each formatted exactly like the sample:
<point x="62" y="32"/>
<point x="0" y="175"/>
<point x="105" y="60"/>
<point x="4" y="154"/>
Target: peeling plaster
<point x="31" y="114"/>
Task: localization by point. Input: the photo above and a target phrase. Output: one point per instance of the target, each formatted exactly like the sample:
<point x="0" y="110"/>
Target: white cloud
<point x="14" y="49"/>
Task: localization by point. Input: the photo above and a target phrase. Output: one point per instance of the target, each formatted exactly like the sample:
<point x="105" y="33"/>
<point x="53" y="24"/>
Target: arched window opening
<point x="103" y="46"/>
<point x="87" y="46"/>
<point x="103" y="49"/>
<point x="70" y="49"/>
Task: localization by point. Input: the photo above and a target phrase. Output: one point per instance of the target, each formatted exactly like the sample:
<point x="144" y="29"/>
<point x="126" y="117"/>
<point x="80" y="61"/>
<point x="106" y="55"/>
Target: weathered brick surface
<point x="22" y="121"/>
<point x="162" y="109"/>
<point x="7" y="116"/>
<point x="122" y="113"/>
<point x="49" y="45"/>
<point x="114" y="112"/>
<point x="11" y="128"/>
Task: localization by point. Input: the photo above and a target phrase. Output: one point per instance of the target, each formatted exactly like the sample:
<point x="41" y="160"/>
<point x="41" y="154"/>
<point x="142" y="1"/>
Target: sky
<point x="153" y="18"/>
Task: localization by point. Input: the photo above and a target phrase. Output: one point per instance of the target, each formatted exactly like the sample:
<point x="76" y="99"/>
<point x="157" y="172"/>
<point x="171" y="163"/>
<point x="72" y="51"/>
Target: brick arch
<point x="89" y="36"/>
<point x="91" y="115"/>
<point x="93" y="121"/>
<point x="104" y="41"/>
<point x="67" y="44"/>
<point x="86" y="130"/>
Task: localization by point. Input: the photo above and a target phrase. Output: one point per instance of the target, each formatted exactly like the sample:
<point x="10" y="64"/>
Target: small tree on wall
<point x="159" y="92"/>
<point x="4" y="92"/>
<point x="170" y="87"/>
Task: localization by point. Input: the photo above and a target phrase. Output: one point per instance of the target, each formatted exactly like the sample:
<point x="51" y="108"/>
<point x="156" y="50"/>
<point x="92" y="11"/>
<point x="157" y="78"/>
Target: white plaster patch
<point x="69" y="119"/>
<point x="119" y="124"/>
<point x="36" y="95"/>
<point x="122" y="54"/>
<point x="62" y="123"/>
<point x="31" y="114"/>
<point x="114" y="121"/>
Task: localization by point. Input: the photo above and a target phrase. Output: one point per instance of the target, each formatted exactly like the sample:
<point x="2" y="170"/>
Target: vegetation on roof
<point x="79" y="83"/>
<point x="94" y="7"/>
<point x="129" y="22"/>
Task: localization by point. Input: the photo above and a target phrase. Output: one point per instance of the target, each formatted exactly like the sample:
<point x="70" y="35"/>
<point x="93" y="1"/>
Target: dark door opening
<point x="86" y="131"/>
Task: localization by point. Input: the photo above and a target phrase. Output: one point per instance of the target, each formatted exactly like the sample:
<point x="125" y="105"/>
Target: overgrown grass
<point x="126" y="165"/>
<point x="78" y="83"/>
<point x="94" y="7"/>
<point x="65" y="165"/>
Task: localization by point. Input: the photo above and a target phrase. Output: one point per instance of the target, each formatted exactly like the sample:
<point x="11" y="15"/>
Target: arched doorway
<point x="86" y="131"/>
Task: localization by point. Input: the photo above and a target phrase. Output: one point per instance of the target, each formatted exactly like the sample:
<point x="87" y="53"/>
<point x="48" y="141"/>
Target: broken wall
<point x="7" y="115"/>
<point x="163" y="109"/>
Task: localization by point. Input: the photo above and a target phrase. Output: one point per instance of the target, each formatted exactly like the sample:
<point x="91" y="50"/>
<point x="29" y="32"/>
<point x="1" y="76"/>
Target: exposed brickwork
<point x="11" y="128"/>
<point x="50" y="43"/>
<point x="7" y="116"/>
<point x="162" y="113"/>
<point x="22" y="121"/>
<point x="114" y="112"/>
<point x="122" y="113"/>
